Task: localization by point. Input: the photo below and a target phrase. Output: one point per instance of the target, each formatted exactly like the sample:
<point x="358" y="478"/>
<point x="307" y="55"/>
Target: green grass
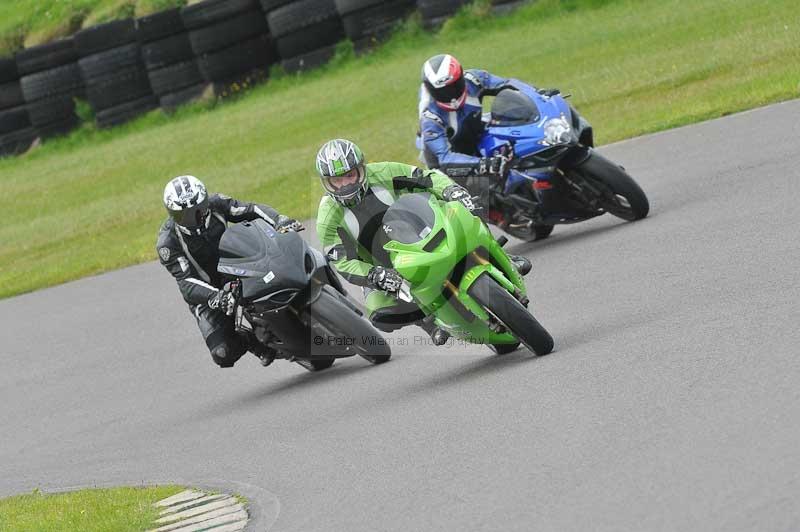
<point x="92" y="510"/>
<point x="26" y="23"/>
<point x="92" y="202"/>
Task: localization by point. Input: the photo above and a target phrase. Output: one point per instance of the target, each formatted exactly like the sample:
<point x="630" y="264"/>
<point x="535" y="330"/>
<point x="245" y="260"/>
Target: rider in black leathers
<point x="187" y="247"/>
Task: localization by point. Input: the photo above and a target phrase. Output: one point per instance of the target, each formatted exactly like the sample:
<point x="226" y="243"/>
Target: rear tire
<point x="512" y="314"/>
<point x="614" y="182"/>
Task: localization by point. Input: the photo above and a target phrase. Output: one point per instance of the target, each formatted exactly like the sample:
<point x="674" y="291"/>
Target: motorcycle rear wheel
<point x="621" y="195"/>
<point x="498" y="302"/>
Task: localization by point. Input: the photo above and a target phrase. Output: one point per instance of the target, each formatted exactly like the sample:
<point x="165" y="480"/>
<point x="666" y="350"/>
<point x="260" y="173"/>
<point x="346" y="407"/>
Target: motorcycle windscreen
<point x="265" y="260"/>
<point x="246" y="246"/>
<point x="513" y="108"/>
<point x="409" y="219"/>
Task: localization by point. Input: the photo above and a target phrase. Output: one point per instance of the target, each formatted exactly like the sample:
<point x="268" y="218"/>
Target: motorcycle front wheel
<point x="618" y="193"/>
<point x="498" y="302"/>
<point x="357" y="334"/>
<point x="316" y="364"/>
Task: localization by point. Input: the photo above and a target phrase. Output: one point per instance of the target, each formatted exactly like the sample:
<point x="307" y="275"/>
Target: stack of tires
<point x="50" y="82"/>
<point x="230" y="40"/>
<point x="435" y="12"/>
<point x="367" y="22"/>
<point x="169" y="59"/>
<point x="16" y="133"/>
<point x="110" y="60"/>
<point x="305" y="31"/>
<point x="504" y="6"/>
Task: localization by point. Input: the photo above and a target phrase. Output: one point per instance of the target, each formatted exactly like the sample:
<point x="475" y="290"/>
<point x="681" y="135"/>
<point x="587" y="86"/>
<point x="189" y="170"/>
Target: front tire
<point x="542" y="231"/>
<point x="498" y="302"/>
<point x="316" y="364"/>
<point x="620" y="194"/>
<point x="504" y="349"/>
<point x="344" y="323"/>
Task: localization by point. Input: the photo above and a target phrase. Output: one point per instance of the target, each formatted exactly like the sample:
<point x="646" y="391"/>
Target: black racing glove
<point x="285" y="224"/>
<point x="460" y="194"/>
<point x="224" y="300"/>
<point x="386" y="279"/>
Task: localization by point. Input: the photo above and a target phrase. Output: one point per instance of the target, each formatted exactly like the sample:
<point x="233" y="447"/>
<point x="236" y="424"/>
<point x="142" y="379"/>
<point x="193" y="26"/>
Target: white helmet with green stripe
<point x="340" y="164"/>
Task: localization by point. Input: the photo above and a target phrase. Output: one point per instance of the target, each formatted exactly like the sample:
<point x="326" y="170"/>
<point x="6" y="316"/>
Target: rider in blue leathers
<point x="450" y="127"/>
<point x="450" y="117"/>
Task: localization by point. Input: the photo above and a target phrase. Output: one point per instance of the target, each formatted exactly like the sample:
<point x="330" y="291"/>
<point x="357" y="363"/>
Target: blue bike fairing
<point x="527" y="138"/>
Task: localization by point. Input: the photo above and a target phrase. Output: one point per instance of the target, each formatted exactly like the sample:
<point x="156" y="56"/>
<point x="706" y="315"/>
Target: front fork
<point x="482" y="265"/>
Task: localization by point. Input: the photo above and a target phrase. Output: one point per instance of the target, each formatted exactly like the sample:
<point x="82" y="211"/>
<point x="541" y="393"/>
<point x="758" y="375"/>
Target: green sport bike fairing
<point x="456" y="271"/>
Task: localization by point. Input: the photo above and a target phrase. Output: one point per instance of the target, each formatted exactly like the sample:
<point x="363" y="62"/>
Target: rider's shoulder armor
<point x="472" y="77"/>
<point x="167" y="240"/>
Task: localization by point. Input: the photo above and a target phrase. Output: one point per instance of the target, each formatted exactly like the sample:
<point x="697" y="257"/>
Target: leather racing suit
<point x="192" y="257"/>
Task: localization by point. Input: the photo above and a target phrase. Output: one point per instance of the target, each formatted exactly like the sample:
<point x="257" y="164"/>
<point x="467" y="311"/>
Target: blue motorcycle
<point x="555" y="176"/>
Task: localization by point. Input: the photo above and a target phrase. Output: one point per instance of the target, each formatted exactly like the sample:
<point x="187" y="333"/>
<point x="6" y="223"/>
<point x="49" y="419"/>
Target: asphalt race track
<point x="672" y="401"/>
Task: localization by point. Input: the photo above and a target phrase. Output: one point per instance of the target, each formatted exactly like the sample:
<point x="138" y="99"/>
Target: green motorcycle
<point x="458" y="274"/>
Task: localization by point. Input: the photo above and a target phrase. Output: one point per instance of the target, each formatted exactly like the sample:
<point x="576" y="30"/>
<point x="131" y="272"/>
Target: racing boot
<point x="522" y="264"/>
<point x="265" y="355"/>
<point x="265" y="359"/>
<point x="438" y="335"/>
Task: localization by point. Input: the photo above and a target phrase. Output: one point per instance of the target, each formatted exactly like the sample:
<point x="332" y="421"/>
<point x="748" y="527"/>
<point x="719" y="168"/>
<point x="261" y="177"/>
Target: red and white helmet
<point x="444" y="78"/>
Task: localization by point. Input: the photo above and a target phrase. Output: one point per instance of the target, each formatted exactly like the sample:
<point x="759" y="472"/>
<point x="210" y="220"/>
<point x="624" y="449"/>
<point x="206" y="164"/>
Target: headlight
<point x="557" y="131"/>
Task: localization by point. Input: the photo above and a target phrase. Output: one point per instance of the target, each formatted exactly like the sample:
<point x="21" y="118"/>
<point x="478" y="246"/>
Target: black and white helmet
<point x="341" y="167"/>
<point x="186" y="200"/>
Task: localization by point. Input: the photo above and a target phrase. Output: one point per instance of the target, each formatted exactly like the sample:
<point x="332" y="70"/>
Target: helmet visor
<point x="192" y="217"/>
<point x="452" y="92"/>
<point x="347" y="185"/>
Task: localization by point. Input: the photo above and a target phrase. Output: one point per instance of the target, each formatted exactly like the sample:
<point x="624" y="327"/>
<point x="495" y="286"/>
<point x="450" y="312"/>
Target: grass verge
<point x="91" y="510"/>
<point x="92" y="202"/>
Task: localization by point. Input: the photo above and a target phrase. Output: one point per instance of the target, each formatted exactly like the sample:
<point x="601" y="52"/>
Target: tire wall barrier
<point x="110" y="61"/>
<point x="230" y="40"/>
<point x="16" y="132"/>
<point x="168" y="59"/>
<point x="367" y="22"/>
<point x="128" y="67"/>
<point x="435" y="12"/>
<point x="305" y="31"/>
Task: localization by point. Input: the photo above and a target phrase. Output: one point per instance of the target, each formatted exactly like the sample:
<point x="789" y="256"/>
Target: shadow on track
<point x="560" y="239"/>
<point x="289" y="389"/>
<point x="491" y="363"/>
<point x="298" y="383"/>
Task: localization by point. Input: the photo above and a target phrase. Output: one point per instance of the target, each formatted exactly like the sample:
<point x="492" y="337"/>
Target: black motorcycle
<point x="291" y="302"/>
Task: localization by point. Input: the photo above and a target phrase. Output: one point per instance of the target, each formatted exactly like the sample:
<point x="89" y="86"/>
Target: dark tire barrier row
<point x="435" y="12"/>
<point x="305" y="31"/>
<point x="128" y="67"/>
<point x="110" y="60"/>
<point x="50" y="83"/>
<point x="368" y="22"/>
<point x="16" y="133"/>
<point x="168" y="58"/>
<point x="230" y="39"/>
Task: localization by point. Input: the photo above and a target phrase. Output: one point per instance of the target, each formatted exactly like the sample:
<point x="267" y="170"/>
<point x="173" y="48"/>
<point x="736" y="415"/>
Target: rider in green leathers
<point x="350" y="226"/>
